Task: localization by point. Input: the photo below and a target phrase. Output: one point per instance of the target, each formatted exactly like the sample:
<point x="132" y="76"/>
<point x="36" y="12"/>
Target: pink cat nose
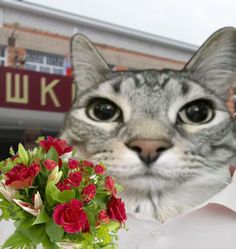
<point x="149" y="150"/>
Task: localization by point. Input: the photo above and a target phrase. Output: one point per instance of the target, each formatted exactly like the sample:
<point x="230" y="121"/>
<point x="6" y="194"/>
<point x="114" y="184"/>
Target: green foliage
<point x="8" y="165"/>
<point x="17" y="240"/>
<point x="2" y="164"/>
<point x="35" y="233"/>
<point x="39" y="139"/>
<point x="119" y="188"/>
<point x="53" y="231"/>
<point x="53" y="194"/>
<point x="41" y="218"/>
<point x="11" y="151"/>
<point x="23" y="154"/>
<point x="5" y="210"/>
<point x="48" y="244"/>
<point x="52" y="155"/>
<point x="113" y="226"/>
<point x="103" y="235"/>
<point x="11" y="211"/>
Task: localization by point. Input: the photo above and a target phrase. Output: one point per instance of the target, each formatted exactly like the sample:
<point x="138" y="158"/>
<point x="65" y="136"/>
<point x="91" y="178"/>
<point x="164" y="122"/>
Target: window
<point x="44" y="69"/>
<point x="55" y="60"/>
<point x="35" y="57"/>
<point x="44" y="62"/>
<point x="30" y="67"/>
<point x="2" y="55"/>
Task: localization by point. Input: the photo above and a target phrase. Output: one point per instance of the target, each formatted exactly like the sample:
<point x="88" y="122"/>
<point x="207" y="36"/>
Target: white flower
<point x="33" y="152"/>
<point x="65" y="157"/>
<point x="34" y="210"/>
<point x="55" y="175"/>
<point x="38" y="203"/>
<point x="7" y="191"/>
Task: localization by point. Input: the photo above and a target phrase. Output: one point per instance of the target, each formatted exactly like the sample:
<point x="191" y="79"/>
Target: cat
<point x="165" y="135"/>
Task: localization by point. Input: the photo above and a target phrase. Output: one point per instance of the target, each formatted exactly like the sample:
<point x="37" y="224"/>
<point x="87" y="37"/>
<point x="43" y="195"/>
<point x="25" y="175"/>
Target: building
<point x="34" y="51"/>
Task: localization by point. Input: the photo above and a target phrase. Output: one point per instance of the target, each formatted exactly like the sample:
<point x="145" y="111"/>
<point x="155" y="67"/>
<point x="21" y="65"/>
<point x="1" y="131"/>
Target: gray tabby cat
<point x="166" y="135"/>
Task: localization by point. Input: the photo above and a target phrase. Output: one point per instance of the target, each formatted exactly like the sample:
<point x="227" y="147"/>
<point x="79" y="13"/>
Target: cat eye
<point x="103" y="110"/>
<point x="196" y="112"/>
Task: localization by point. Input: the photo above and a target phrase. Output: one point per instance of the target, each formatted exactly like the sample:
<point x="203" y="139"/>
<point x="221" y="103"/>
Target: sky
<point x="183" y="20"/>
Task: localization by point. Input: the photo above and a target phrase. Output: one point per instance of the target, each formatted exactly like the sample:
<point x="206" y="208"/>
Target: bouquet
<point x="58" y="201"/>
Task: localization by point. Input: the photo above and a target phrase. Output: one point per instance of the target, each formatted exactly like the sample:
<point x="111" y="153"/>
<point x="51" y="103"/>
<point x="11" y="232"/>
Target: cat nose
<point x="149" y="150"/>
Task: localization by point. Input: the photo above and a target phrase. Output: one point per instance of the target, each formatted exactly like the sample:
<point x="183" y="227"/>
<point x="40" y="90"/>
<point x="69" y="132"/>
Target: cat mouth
<point x="146" y="175"/>
<point x="149" y="174"/>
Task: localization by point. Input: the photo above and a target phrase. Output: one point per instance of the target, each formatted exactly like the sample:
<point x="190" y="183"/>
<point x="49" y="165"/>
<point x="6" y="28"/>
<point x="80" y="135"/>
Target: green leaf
<point x="9" y="165"/>
<point x="91" y="217"/>
<point x="16" y="240"/>
<point x="103" y="235"/>
<point x="40" y="153"/>
<point x="52" y="154"/>
<point x="53" y="231"/>
<point x="23" y="154"/>
<point x="11" y="211"/>
<point x="2" y="164"/>
<point x="119" y="187"/>
<point x="35" y="233"/>
<point x="74" y="152"/>
<point x="39" y="139"/>
<point x="11" y="151"/>
<point x="47" y="244"/>
<point x="41" y="218"/>
<point x="113" y="226"/>
<point x="27" y="223"/>
<point x="101" y="200"/>
<point x="54" y="194"/>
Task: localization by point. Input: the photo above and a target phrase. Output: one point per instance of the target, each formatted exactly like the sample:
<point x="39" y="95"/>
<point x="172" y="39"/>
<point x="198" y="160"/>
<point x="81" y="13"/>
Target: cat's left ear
<point x="214" y="65"/>
<point x="89" y="67"/>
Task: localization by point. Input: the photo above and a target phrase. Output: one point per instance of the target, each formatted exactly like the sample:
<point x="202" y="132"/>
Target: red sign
<point x="31" y="90"/>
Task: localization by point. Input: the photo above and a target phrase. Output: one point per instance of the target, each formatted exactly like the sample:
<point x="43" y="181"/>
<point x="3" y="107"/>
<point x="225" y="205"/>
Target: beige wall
<point x="28" y="38"/>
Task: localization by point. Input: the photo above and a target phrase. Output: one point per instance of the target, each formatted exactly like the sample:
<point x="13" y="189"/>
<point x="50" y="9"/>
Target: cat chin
<point x="144" y="184"/>
<point x="167" y="199"/>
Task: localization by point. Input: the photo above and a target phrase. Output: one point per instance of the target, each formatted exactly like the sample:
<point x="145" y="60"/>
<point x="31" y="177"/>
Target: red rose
<point x="116" y="209"/>
<point x="60" y="146"/>
<point x="22" y="176"/>
<point x="99" y="169"/>
<point x="59" y="162"/>
<point x="49" y="164"/>
<point x="110" y="185"/>
<point x="87" y="164"/>
<point x="75" y="179"/>
<point x="73" y="163"/>
<point x="65" y="185"/>
<point x="89" y="192"/>
<point x="71" y="217"/>
<point x="102" y="216"/>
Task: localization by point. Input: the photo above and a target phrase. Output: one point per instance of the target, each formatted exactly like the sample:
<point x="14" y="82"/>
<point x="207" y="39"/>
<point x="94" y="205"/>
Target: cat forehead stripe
<point x="116" y="85"/>
<point x="127" y="84"/>
<point x="184" y="88"/>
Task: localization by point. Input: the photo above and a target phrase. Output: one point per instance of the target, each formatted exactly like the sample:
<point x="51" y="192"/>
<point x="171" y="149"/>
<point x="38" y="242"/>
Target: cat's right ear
<point x="89" y="67"/>
<point x="214" y="65"/>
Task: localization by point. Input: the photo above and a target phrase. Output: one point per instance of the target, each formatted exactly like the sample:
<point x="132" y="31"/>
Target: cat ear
<point x="89" y="68"/>
<point x="214" y="65"/>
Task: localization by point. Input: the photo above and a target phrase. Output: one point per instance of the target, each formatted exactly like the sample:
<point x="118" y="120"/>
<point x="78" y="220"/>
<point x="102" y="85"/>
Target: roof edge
<point x="87" y="21"/>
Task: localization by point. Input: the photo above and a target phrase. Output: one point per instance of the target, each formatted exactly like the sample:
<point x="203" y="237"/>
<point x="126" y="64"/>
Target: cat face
<point x="167" y="135"/>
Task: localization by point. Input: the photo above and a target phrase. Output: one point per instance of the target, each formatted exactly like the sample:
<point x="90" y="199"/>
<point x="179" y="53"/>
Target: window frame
<point x="45" y="57"/>
<point x="2" y="54"/>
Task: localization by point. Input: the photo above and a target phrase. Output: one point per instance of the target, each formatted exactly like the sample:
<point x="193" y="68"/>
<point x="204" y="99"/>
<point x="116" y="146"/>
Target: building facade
<point x="34" y="61"/>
